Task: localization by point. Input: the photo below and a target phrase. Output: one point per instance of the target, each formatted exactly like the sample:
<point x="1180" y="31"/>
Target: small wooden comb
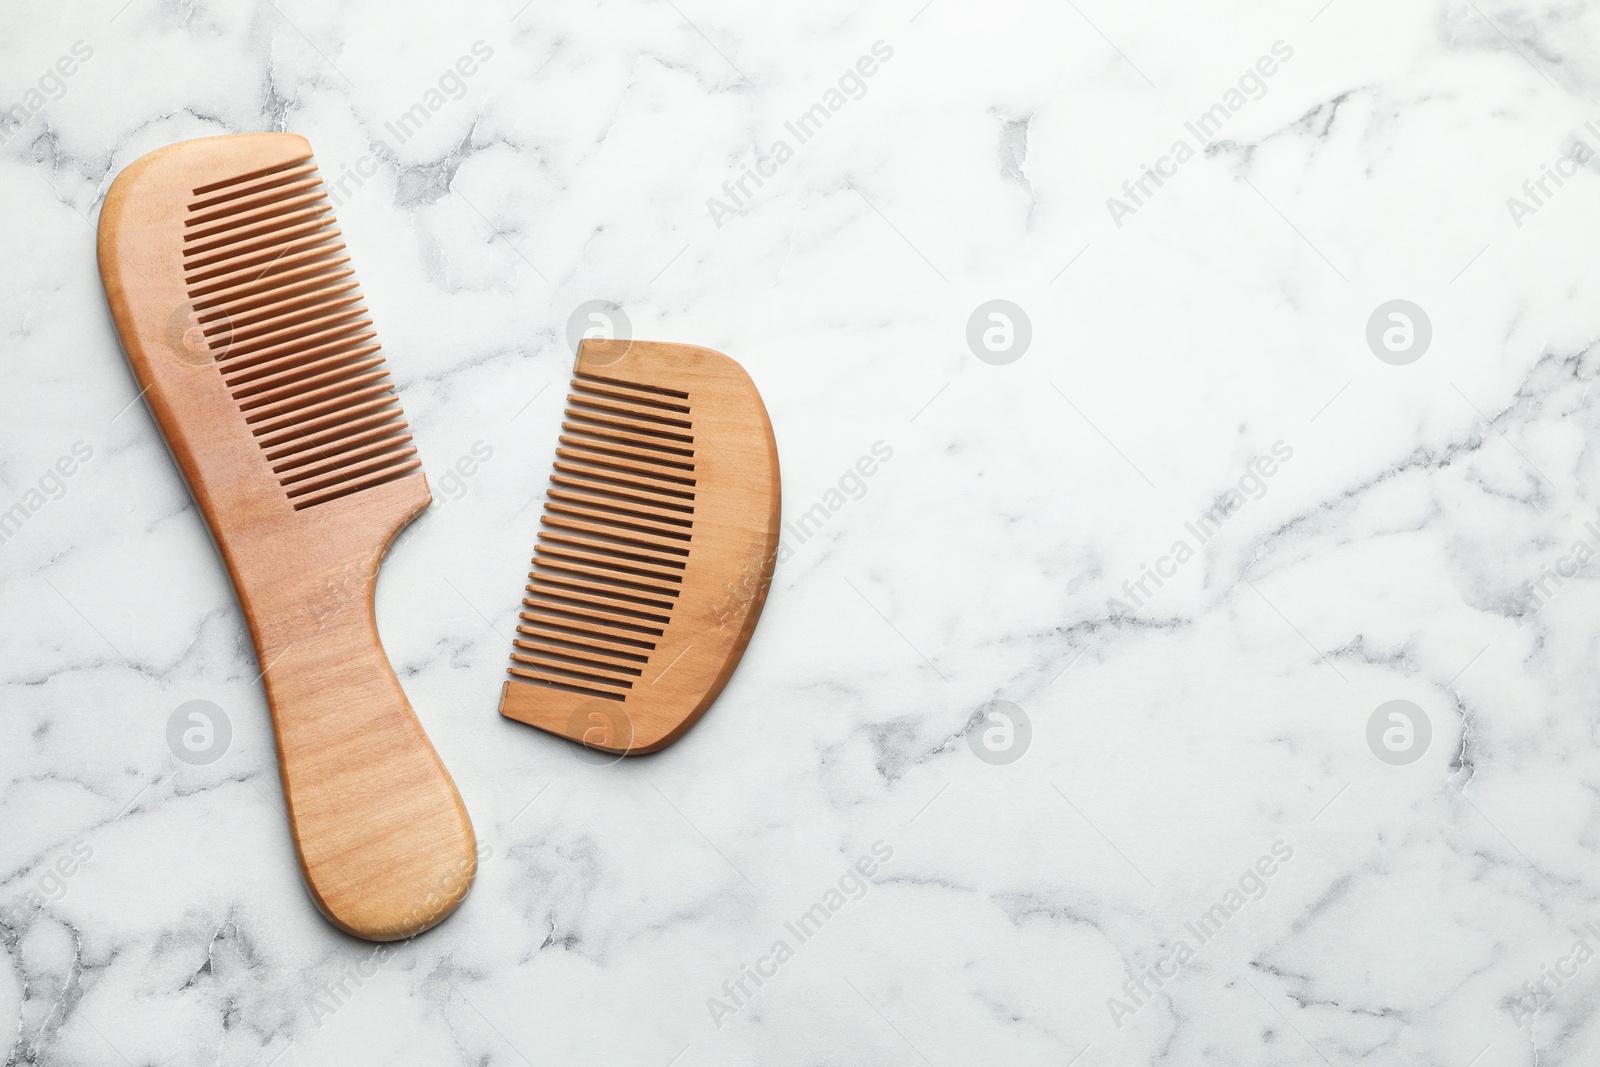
<point x="241" y="318"/>
<point x="658" y="538"/>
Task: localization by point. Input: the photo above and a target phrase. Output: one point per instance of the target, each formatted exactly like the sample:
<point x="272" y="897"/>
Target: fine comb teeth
<point x="243" y="323"/>
<point x="620" y="518"/>
<point x="655" y="549"/>
<point x="280" y="310"/>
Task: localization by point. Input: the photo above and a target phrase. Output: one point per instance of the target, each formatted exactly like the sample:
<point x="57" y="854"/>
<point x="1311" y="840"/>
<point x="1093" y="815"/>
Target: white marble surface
<point x="1176" y="741"/>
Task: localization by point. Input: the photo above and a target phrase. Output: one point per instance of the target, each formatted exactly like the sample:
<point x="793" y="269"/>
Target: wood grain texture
<point x="655" y="551"/>
<point x="242" y="321"/>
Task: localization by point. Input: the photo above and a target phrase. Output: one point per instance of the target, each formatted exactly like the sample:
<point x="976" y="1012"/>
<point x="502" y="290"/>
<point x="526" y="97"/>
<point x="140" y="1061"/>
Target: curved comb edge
<point x="734" y="548"/>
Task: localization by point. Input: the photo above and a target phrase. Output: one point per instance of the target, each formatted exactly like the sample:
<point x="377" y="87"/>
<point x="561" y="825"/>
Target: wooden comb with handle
<point x="656" y="547"/>
<point x="240" y="315"/>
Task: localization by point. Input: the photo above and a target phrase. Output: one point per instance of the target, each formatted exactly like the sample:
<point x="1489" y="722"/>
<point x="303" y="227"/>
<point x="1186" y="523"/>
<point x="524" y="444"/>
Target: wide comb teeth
<point x="277" y="304"/>
<point x="617" y="530"/>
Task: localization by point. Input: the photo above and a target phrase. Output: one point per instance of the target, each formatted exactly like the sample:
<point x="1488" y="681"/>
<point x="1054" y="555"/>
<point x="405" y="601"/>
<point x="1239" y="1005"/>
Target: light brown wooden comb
<point x="655" y="551"/>
<point x="240" y="315"/>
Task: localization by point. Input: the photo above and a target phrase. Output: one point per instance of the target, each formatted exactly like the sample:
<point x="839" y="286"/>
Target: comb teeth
<point x="614" y="540"/>
<point x="273" y="295"/>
